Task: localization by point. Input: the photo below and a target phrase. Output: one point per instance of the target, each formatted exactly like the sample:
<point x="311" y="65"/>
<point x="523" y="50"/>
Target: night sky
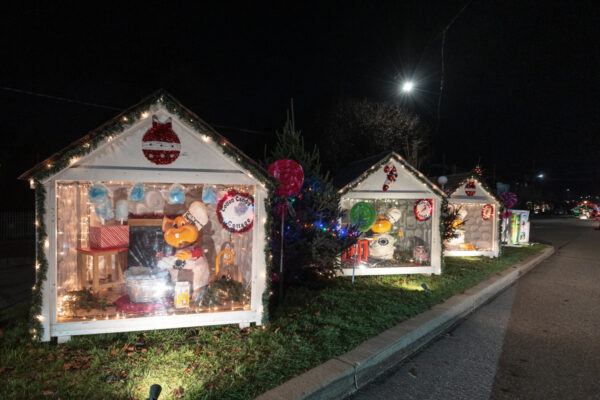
<point x="521" y="95"/>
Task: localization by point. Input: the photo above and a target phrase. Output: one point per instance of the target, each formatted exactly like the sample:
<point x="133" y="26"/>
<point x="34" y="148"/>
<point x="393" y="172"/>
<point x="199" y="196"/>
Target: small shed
<point x="151" y="221"/>
<point x="406" y="236"/>
<point x="478" y="209"/>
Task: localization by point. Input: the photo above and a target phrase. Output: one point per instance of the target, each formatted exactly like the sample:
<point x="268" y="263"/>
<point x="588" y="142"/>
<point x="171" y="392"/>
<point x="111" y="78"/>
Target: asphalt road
<point x="540" y="339"/>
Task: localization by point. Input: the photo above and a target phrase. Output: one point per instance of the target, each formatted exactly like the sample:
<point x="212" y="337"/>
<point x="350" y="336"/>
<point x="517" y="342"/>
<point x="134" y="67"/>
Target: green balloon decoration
<point x="363" y="215"/>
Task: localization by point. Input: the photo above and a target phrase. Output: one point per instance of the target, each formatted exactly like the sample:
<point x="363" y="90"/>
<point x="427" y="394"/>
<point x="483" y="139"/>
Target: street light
<point x="407" y="86"/>
<point x="540" y="176"/>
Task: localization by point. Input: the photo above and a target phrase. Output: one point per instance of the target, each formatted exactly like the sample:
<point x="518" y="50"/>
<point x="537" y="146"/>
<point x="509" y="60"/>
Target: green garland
<point x="89" y="143"/>
<point x="268" y="260"/>
<point x="443" y="208"/>
<point x="36" y="327"/>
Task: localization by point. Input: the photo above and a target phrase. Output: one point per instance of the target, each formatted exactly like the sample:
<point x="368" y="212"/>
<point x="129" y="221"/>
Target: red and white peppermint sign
<point x="470" y="188"/>
<point x="160" y="143"/>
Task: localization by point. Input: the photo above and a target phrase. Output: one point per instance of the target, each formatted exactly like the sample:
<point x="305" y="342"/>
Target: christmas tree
<point x="313" y="237"/>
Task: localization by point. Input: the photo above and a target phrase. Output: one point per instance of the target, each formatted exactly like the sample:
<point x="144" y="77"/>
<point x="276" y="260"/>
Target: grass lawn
<point x="315" y="324"/>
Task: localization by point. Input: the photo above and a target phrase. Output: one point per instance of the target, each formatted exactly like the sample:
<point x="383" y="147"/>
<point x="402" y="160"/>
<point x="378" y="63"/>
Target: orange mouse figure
<point x="183" y="233"/>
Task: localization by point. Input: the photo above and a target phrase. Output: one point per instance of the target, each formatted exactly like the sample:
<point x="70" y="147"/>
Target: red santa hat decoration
<point x="160" y="143"/>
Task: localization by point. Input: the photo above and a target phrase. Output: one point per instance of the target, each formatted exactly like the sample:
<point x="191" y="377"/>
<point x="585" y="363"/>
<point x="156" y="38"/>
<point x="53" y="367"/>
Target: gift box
<point x="109" y="237"/>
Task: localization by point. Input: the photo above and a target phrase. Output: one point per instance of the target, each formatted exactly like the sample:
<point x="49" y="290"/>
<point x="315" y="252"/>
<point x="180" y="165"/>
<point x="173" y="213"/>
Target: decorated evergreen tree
<point x="313" y="237"/>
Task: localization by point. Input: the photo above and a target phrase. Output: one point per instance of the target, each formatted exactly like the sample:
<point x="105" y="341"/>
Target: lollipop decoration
<point x="509" y="199"/>
<point x="291" y="176"/>
<point x="362" y="215"/>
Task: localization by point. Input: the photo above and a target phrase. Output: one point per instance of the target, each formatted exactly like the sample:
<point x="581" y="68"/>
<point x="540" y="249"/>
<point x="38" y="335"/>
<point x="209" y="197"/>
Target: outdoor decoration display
<point x="157" y="219"/>
<point x="398" y="224"/>
<point x="477" y="218"/>
<point x="290" y="177"/>
<point x="515" y="228"/>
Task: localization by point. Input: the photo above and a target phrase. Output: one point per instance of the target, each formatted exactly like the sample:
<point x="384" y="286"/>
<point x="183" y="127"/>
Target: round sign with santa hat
<point x="160" y="143"/>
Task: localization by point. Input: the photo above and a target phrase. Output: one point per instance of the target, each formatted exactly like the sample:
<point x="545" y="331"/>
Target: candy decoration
<point x="470" y="188"/>
<point x="209" y="194"/>
<point x="154" y="201"/>
<point x="423" y="209"/>
<point x="291" y="176"/>
<point x="104" y="211"/>
<point x="381" y="225"/>
<point x="98" y="193"/>
<point x="138" y="192"/>
<point x="362" y="215"/>
<point x="176" y="194"/>
<point x="236" y="211"/>
<point x="420" y="255"/>
<point x="122" y="210"/>
<point x="391" y="176"/>
<point x="487" y="211"/>
<point x="393" y="215"/>
<point x="160" y="143"/>
<point x="509" y="199"/>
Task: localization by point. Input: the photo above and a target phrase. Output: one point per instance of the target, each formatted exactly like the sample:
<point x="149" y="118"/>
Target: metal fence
<point x="17" y="224"/>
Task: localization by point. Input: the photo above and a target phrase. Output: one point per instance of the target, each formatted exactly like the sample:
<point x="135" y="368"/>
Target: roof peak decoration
<point x="391" y="173"/>
<point x="140" y="111"/>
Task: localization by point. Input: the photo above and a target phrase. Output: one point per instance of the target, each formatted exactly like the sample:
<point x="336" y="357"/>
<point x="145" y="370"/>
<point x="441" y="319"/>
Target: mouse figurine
<point x="183" y="233"/>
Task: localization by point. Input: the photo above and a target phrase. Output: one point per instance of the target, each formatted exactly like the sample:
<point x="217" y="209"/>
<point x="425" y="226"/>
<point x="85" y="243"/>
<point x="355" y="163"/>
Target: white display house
<point x="406" y="237"/>
<point x="478" y="217"/>
<point x="151" y="221"/>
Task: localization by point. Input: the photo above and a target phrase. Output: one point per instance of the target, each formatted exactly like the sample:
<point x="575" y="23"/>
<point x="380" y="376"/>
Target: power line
<point x="52" y="97"/>
<point x="48" y="96"/>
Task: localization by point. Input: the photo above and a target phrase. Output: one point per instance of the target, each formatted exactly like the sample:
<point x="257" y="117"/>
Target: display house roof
<point x="457" y="181"/>
<point x="355" y="174"/>
<point x="156" y="102"/>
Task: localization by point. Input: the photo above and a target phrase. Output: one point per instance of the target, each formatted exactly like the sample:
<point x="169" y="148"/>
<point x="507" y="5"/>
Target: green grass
<point x="316" y="323"/>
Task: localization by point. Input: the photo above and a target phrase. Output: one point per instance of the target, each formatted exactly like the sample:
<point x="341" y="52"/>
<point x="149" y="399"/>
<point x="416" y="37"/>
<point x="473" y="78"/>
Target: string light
<point x="145" y="115"/>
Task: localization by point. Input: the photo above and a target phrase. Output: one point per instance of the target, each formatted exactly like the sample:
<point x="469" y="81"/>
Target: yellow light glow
<point x="73" y="160"/>
<point x="205" y="138"/>
<point x="40" y="317"/>
<point x="124" y="118"/>
<point x="31" y="184"/>
<point x="46" y="243"/>
<point x="145" y="115"/>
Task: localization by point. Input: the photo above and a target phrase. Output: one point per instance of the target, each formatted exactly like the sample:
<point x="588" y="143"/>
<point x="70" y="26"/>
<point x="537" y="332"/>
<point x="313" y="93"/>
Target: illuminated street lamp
<point x="407" y="87"/>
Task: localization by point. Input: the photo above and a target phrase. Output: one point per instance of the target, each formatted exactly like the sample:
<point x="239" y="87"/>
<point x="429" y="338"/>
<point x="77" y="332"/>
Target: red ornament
<point x="291" y="176"/>
<point x="487" y="211"/>
<point x="470" y="188"/>
<point x="391" y="176"/>
<point x="160" y="144"/>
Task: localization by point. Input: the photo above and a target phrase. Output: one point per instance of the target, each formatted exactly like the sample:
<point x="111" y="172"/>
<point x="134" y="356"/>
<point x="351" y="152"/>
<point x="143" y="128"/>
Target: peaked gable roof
<point x="456" y="181"/>
<point x="114" y="127"/>
<point x="357" y="172"/>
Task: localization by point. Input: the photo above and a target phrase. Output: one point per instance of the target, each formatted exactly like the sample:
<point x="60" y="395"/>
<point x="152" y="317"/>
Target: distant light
<point x="407" y="87"/>
<point x="540" y="176"/>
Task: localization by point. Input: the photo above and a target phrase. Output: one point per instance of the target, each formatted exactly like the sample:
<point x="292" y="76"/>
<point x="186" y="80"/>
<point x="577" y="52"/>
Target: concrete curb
<point x="343" y="375"/>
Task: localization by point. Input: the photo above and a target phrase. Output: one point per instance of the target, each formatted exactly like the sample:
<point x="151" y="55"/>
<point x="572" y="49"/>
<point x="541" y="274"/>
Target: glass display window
<point x="399" y="233"/>
<point x="475" y="227"/>
<point x="139" y="249"/>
